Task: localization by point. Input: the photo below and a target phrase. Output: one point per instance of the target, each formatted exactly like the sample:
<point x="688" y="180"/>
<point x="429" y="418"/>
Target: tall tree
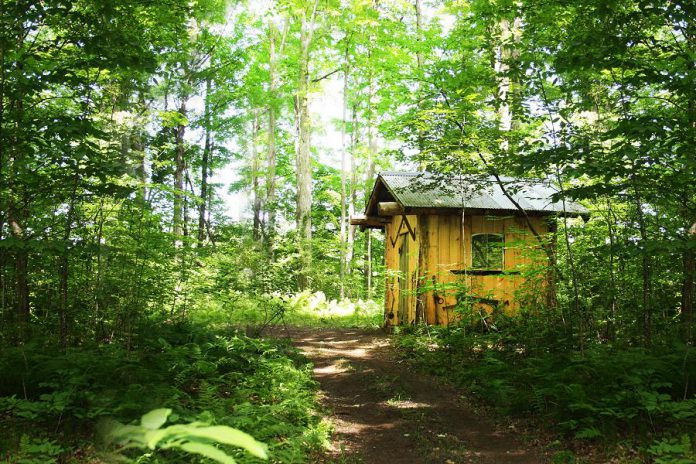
<point x="303" y="162"/>
<point x="205" y="161"/>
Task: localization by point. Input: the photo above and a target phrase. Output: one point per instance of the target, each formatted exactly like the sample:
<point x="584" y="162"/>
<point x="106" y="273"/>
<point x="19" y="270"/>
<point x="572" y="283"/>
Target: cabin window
<point x="487" y="251"/>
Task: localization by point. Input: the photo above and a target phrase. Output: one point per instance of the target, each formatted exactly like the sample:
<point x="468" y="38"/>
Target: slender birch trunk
<point x="344" y="175"/>
<point x="352" y="192"/>
<point x="508" y="52"/>
<point x="371" y="149"/>
<point x="303" y="156"/>
<point x="422" y="165"/>
<point x="271" y="156"/>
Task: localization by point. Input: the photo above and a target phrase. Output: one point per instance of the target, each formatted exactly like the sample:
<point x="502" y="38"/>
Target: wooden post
<point x="368" y="221"/>
<point x="389" y="208"/>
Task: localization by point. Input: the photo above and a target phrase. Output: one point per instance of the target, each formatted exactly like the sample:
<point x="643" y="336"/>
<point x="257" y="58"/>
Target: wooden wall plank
<point x="414" y="247"/>
<point x="433" y="260"/>
<point x="466" y="251"/>
<point x="466" y="228"/>
<point x="442" y="244"/>
<point x="423" y="267"/>
<point x="443" y="241"/>
<point x="441" y="269"/>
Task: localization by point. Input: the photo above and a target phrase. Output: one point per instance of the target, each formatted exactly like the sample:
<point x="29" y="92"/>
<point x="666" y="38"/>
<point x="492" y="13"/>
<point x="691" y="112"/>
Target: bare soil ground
<point x="384" y="412"/>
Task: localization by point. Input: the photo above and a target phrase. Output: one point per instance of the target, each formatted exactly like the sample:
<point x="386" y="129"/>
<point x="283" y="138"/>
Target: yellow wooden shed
<point x="453" y="239"/>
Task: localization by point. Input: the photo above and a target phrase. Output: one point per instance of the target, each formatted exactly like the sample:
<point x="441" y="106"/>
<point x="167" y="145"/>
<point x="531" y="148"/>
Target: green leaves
<point x="603" y="394"/>
<point x="230" y="436"/>
<point x="173" y="119"/>
<point x="195" y="437"/>
<point x="155" y="418"/>
<point x="207" y="451"/>
<point x="673" y="450"/>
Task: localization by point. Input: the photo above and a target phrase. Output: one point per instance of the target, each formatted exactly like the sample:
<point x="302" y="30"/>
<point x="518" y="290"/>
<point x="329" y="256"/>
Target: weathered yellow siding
<point x="442" y="244"/>
<point x="399" y="229"/>
<point x="522" y="252"/>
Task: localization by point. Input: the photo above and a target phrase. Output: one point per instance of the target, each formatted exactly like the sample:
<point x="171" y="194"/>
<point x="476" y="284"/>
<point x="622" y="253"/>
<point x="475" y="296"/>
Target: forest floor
<point x="383" y="411"/>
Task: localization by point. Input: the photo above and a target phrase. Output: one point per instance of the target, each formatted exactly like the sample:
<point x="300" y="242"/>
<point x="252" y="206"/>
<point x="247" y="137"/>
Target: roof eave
<point x="371" y="207"/>
<point x="372" y="202"/>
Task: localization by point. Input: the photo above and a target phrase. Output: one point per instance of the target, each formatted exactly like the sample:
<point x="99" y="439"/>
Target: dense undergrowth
<point x="51" y="400"/>
<point x="307" y="309"/>
<point x="628" y="401"/>
<point x="211" y="366"/>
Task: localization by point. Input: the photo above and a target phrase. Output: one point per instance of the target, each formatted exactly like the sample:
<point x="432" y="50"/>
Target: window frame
<point x="502" y="251"/>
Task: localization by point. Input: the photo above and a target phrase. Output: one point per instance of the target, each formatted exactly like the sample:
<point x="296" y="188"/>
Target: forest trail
<point x="384" y="412"/>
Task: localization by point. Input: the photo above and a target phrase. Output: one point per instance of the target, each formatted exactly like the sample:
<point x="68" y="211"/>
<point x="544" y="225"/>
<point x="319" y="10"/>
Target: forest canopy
<point x="165" y="162"/>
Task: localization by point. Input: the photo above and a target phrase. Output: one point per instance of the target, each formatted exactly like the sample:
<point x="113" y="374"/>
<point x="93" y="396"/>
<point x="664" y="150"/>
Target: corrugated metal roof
<point x="426" y="190"/>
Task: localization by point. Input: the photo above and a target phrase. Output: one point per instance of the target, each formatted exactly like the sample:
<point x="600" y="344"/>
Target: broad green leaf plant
<point x="195" y="437"/>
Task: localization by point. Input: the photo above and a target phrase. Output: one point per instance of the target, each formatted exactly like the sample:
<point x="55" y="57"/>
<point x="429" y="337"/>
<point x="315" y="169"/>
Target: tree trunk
<point x="344" y="175"/>
<point x="271" y="156"/>
<point x="185" y="215"/>
<point x="141" y="170"/>
<point x="139" y="150"/>
<point x="687" y="303"/>
<point x="205" y="161"/>
<point x="508" y="52"/>
<point x="646" y="267"/>
<point x="688" y="257"/>
<point x="550" y="296"/>
<point x="179" y="161"/>
<point x="22" y="283"/>
<point x="16" y="217"/>
<point x="303" y="155"/>
<point x="611" y="324"/>
<point x="578" y="308"/>
<point x="21" y="268"/>
<point x="64" y="269"/>
<point x="3" y="175"/>
<point x="371" y="149"/>
<point x="367" y="270"/>
<point x="420" y="140"/>
<point x="98" y="323"/>
<point x="419" y="28"/>
<point x="3" y="264"/>
<point x="352" y="196"/>
<point x="209" y="201"/>
<point x="256" y="189"/>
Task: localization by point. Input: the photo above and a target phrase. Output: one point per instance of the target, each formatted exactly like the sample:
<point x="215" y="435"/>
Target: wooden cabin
<point x="462" y="239"/>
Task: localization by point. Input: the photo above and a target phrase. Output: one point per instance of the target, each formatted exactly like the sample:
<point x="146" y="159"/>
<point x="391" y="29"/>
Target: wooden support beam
<point x="368" y="221"/>
<point x="389" y="208"/>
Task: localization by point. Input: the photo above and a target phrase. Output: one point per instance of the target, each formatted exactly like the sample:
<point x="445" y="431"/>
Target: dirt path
<point x="385" y="413"/>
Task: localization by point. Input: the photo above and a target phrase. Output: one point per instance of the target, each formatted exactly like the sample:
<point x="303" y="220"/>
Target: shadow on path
<point x="384" y="412"/>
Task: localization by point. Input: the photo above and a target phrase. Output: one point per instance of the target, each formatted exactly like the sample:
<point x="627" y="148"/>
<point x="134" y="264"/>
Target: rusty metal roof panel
<point x="426" y="190"/>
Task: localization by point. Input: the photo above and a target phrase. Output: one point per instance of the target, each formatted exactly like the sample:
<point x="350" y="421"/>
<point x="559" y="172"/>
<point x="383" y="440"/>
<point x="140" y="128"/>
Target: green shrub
<point x="603" y="393"/>
<point x="256" y="385"/>
<point x="194" y="438"/>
